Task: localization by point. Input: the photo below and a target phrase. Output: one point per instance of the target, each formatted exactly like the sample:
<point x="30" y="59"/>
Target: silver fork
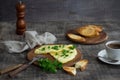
<point x="25" y="66"/>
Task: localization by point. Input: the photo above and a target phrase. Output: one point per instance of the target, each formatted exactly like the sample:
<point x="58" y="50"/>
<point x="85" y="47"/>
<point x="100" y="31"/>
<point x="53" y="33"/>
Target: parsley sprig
<point x="50" y="66"/>
<point x="72" y="47"/>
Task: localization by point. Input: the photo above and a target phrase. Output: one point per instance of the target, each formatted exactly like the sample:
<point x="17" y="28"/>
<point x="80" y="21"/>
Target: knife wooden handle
<point x="10" y="68"/>
<point x="15" y="72"/>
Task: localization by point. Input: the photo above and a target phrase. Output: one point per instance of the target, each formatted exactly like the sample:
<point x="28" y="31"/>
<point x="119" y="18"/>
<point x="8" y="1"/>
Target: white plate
<point x="103" y="53"/>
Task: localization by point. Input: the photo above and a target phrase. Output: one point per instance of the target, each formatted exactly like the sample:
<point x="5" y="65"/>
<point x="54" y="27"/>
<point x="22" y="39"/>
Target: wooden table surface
<point x="96" y="70"/>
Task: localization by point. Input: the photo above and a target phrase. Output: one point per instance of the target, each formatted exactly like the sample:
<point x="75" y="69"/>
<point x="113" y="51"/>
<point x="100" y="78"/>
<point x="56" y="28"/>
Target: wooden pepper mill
<point x="20" y="24"/>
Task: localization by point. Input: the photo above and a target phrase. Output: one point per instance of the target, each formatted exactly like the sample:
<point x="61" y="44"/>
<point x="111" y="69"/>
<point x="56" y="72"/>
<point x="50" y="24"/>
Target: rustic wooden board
<point x="94" y="40"/>
<point x="31" y="54"/>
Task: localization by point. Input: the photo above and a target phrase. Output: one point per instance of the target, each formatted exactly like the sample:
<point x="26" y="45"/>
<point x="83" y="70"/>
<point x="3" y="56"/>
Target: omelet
<point x="65" y="55"/>
<point x="62" y="53"/>
<point x="51" y="48"/>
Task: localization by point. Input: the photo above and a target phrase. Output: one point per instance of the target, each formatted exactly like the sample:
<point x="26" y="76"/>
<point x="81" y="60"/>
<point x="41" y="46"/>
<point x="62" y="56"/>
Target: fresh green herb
<point x="72" y="47"/>
<point x="50" y="66"/>
<point x="48" y="47"/>
<point x="55" y="47"/>
<point x="56" y="53"/>
<point x="43" y="49"/>
<point x="59" y="45"/>
<point x="71" y="52"/>
<point x="64" y="53"/>
<point x="57" y="64"/>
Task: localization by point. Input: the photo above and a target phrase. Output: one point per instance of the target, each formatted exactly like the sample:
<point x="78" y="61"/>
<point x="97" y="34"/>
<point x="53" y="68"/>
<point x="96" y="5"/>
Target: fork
<point x="25" y="66"/>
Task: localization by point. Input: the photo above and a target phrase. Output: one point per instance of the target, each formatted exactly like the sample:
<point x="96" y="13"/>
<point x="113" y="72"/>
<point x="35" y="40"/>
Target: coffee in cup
<point x="113" y="49"/>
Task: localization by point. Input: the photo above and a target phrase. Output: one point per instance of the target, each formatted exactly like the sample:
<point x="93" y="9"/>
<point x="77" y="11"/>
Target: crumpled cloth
<point x="32" y="39"/>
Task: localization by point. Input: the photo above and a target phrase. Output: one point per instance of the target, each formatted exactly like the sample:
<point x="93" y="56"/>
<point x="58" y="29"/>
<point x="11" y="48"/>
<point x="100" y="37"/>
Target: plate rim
<point x="103" y="52"/>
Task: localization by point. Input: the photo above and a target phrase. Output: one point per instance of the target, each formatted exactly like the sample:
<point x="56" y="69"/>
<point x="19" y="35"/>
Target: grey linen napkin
<point x="31" y="40"/>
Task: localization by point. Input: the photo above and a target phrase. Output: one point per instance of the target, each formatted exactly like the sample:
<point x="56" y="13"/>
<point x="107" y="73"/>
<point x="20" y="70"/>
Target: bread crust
<point x="70" y="70"/>
<point x="76" y="38"/>
<point x="82" y="64"/>
<point x="89" y="30"/>
<point x="97" y="28"/>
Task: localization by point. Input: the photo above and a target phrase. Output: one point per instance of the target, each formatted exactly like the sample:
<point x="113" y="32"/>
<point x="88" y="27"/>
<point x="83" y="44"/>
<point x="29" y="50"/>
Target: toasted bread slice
<point x="82" y="64"/>
<point x="70" y="70"/>
<point x="87" y="31"/>
<point x="97" y="28"/>
<point x="75" y="37"/>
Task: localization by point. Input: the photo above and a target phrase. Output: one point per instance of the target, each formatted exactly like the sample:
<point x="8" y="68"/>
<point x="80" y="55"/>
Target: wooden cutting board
<point x="31" y="54"/>
<point x="94" y="40"/>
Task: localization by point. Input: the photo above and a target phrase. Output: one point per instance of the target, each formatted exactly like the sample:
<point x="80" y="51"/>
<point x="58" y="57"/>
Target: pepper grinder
<point x="20" y="24"/>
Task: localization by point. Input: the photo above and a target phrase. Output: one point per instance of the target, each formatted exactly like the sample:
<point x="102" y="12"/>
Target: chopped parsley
<point x="59" y="45"/>
<point x="56" y="53"/>
<point x="49" y="66"/>
<point x="43" y="49"/>
<point x="48" y="47"/>
<point x="55" y="47"/>
<point x="72" y="47"/>
<point x="64" y="53"/>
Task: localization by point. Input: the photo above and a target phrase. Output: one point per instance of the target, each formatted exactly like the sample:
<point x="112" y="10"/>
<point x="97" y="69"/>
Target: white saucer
<point x="103" y="53"/>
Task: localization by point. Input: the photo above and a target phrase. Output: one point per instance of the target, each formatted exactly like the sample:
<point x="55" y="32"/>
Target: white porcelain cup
<point x="113" y="49"/>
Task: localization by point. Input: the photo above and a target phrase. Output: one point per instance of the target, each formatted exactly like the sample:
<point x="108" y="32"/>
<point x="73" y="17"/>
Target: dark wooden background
<point x="96" y="70"/>
<point x="57" y="10"/>
<point x="58" y="16"/>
